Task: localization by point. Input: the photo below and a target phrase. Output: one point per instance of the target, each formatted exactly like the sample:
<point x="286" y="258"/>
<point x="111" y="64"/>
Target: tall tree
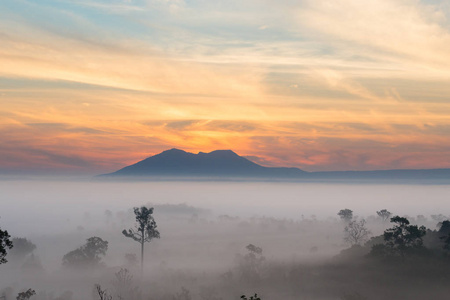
<point x="5" y="243"/>
<point x="145" y="229"/>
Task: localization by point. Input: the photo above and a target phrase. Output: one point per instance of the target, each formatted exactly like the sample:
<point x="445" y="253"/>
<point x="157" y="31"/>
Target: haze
<point x="256" y="102"/>
<point x="205" y="227"/>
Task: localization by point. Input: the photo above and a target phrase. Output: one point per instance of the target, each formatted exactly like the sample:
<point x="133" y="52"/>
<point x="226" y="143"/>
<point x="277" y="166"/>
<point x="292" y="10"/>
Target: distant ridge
<point x="219" y="163"/>
<point x="227" y="164"/>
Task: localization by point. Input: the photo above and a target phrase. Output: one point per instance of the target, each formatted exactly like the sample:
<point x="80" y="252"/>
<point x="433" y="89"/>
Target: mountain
<point x="219" y="163"/>
<point x="387" y="175"/>
<point x="227" y="164"/>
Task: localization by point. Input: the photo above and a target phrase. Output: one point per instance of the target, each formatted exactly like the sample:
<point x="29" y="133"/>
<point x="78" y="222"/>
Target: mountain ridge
<point x="176" y="162"/>
<point x="226" y="163"/>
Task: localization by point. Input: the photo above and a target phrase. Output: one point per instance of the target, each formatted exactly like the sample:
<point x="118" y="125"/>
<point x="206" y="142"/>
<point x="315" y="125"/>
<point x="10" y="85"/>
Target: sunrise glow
<point x="91" y="86"/>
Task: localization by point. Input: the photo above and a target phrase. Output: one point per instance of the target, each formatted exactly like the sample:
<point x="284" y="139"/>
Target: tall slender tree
<point x="144" y="231"/>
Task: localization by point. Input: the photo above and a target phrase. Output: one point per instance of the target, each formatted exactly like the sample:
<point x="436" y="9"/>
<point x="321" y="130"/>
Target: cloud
<point x="65" y="127"/>
<point x="314" y="84"/>
<point x="120" y="7"/>
<point x="398" y="31"/>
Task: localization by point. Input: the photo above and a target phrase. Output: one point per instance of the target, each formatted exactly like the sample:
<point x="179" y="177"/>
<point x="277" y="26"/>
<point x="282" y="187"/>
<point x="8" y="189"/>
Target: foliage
<point x="145" y="229"/>
<point x="444" y="227"/>
<point x="250" y="265"/>
<point x="356" y="232"/>
<point x="439" y="218"/>
<point x="384" y="214"/>
<point x="400" y="240"/>
<point x="345" y="214"/>
<point x="446" y="240"/>
<point x="88" y="254"/>
<point x="22" y="247"/>
<point x="254" y="297"/>
<point x="444" y="234"/>
<point x="254" y="249"/>
<point x="26" y="295"/>
<point x="5" y="243"/>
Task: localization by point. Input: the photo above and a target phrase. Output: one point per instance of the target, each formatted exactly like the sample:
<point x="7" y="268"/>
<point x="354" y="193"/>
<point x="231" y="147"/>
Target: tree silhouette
<point x="5" y="243"/>
<point x="401" y="239"/>
<point x="444" y="227"/>
<point x="123" y="285"/>
<point x="384" y="214"/>
<point x="356" y="232"/>
<point x="444" y="232"/>
<point x="446" y="240"/>
<point x="144" y="231"/>
<point x="346" y="214"/>
<point x="250" y="265"/>
<point x="102" y="294"/>
<point x="22" y="247"/>
<point x="88" y="254"/>
<point x="254" y="297"/>
<point x="26" y="295"/>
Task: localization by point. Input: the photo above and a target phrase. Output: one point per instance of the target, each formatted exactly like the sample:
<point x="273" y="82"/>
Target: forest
<point x="180" y="252"/>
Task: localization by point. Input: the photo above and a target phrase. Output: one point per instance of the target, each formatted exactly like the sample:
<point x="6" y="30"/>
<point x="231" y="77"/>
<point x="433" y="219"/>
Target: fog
<point x="205" y="228"/>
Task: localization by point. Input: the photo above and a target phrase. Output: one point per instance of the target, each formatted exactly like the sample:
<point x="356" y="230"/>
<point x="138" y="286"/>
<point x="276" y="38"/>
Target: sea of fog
<point x="33" y="207"/>
<point x="205" y="228"/>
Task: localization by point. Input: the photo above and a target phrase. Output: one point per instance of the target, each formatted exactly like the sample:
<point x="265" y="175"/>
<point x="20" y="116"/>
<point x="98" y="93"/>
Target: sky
<point x="89" y="86"/>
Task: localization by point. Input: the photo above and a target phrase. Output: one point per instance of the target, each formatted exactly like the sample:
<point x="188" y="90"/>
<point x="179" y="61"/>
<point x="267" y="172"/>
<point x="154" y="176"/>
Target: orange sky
<point x="89" y="87"/>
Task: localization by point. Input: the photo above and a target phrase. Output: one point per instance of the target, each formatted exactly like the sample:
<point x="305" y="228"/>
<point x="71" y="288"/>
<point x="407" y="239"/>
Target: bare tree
<point x="145" y="229"/>
<point x="356" y="232"/>
<point x="123" y="285"/>
<point x="102" y="294"/>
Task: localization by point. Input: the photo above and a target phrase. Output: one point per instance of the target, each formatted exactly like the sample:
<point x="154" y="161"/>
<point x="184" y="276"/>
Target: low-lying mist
<point x="218" y="240"/>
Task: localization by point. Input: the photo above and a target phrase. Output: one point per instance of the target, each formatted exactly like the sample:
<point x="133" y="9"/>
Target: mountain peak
<point x="176" y="162"/>
<point x="174" y="150"/>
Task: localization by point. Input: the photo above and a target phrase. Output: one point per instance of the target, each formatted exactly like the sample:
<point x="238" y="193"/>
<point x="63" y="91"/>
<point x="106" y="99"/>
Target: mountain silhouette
<point x="219" y="163"/>
<point x="227" y="164"/>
